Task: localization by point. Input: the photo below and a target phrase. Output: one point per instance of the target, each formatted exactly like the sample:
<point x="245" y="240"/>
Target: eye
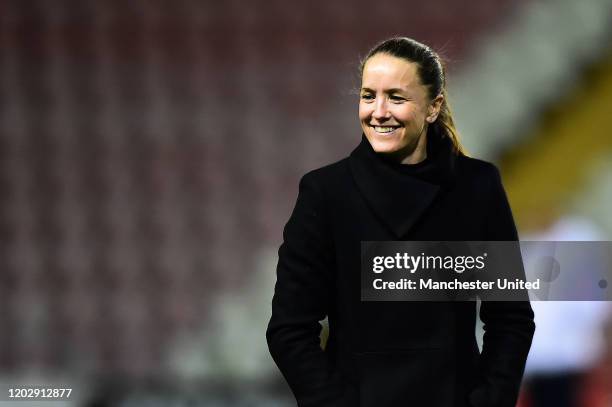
<point x="367" y="97"/>
<point x="397" y="99"/>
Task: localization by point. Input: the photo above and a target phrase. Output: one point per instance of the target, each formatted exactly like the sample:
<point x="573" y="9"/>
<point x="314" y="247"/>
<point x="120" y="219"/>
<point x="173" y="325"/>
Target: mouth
<point x="386" y="130"/>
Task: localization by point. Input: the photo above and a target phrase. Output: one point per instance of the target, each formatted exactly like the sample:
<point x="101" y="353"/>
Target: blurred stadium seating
<point x="150" y="153"/>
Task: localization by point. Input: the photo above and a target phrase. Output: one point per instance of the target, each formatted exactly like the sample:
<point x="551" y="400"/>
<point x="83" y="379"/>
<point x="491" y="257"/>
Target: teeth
<point x="381" y="129"/>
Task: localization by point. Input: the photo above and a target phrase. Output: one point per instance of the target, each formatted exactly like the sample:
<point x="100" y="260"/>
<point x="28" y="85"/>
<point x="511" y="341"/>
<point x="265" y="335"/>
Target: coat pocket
<point x="415" y="377"/>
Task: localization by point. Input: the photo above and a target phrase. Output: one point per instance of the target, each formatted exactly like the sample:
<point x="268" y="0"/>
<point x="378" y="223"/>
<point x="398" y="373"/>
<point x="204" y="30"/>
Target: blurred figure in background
<point x="569" y="340"/>
<point x="597" y="389"/>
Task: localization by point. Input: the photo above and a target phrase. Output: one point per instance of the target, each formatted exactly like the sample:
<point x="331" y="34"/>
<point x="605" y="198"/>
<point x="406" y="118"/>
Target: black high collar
<point x="400" y="194"/>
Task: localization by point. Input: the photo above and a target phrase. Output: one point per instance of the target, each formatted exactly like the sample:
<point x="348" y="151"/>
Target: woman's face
<point x="394" y="108"/>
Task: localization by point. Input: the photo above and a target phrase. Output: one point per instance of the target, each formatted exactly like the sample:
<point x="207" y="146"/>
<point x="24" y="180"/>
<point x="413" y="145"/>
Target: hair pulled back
<point x="432" y="74"/>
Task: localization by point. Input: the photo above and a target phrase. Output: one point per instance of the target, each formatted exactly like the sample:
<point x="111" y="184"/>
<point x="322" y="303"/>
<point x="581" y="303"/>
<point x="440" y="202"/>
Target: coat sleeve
<point x="301" y="299"/>
<point x="508" y="326"/>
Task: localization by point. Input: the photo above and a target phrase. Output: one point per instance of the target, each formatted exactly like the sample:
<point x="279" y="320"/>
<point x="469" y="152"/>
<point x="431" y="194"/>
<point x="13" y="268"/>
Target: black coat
<point x="393" y="353"/>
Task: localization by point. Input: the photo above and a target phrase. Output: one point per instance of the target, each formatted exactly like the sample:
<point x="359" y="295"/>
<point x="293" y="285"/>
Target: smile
<point x="384" y="129"/>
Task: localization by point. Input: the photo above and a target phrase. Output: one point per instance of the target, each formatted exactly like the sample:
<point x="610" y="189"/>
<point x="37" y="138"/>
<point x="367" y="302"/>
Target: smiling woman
<point x="395" y="108"/>
<point x="404" y="88"/>
<point x="407" y="180"/>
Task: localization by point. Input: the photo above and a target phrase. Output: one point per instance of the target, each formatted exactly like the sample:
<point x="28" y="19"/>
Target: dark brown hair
<point x="431" y="73"/>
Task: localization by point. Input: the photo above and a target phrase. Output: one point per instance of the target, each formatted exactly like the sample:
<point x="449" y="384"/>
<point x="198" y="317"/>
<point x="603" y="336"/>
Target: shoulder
<point x="476" y="166"/>
<point x="477" y="169"/>
<point x="327" y="176"/>
<point x="326" y="184"/>
<point x="314" y="191"/>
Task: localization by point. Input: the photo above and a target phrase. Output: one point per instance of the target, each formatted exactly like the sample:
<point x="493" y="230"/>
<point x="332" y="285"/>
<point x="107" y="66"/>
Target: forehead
<point x="387" y="71"/>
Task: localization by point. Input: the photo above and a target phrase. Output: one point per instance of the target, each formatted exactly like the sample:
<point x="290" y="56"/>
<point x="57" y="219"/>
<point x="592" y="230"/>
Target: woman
<point x="407" y="180"/>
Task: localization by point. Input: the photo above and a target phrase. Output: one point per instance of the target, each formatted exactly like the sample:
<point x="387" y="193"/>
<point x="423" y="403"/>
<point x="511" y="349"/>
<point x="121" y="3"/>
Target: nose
<point x="381" y="112"/>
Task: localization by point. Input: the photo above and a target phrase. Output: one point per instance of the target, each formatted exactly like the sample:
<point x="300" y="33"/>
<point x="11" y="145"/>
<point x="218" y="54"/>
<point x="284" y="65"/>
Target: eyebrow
<point x="392" y="90"/>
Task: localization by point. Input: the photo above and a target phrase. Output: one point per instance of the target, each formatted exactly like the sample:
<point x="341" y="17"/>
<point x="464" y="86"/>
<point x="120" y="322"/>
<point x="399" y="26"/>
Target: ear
<point x="434" y="108"/>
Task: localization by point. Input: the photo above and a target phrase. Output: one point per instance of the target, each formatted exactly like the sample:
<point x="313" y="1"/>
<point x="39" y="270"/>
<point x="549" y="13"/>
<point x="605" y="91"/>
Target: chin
<point x="380" y="145"/>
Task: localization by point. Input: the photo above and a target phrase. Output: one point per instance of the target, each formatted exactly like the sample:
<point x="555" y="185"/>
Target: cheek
<point x="407" y="114"/>
<point x="364" y="111"/>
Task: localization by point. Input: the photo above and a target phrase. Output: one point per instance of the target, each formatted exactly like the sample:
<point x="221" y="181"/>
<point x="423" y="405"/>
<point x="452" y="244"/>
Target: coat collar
<point x="398" y="197"/>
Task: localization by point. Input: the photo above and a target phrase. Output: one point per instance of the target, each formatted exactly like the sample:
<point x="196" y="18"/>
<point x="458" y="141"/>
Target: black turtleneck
<point x="437" y="168"/>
